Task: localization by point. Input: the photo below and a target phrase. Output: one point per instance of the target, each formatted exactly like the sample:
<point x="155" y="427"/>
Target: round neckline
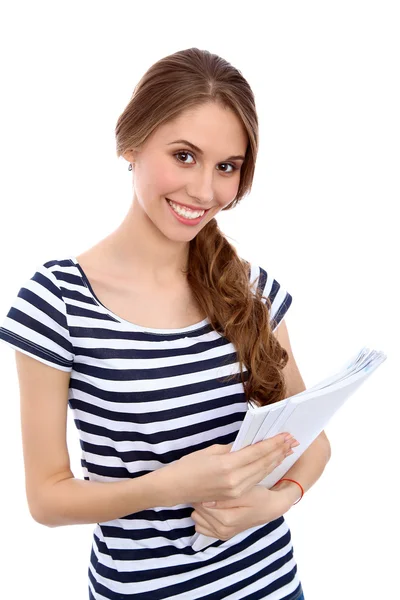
<point x="197" y="325"/>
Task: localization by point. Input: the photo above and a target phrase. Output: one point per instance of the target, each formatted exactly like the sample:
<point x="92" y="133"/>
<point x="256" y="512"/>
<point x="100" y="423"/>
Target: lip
<point x="188" y="205"/>
<point x="182" y="219"/>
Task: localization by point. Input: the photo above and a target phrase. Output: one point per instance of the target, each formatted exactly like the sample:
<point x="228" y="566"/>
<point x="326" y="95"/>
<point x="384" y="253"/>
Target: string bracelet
<point x="293" y="481"/>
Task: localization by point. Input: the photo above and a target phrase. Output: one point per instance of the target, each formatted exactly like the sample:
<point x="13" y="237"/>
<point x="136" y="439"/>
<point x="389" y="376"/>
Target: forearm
<point x="74" y="501"/>
<point x="306" y="470"/>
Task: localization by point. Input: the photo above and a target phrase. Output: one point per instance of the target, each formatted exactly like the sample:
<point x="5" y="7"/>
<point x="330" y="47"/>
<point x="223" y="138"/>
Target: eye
<point x="185" y="153"/>
<point x="182" y="152"/>
<point x="234" y="167"/>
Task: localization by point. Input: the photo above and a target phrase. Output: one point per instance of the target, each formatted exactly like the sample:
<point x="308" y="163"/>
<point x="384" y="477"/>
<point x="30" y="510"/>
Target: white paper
<point x="304" y="415"/>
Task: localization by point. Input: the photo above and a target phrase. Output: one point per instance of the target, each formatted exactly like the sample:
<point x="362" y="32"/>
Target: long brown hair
<point x="218" y="277"/>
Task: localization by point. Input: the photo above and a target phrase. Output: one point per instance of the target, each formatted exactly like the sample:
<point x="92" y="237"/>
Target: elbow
<point x="40" y="516"/>
<point x="37" y="515"/>
<point x="327" y="450"/>
<point x="43" y="519"/>
<point x="34" y="506"/>
<point x="325" y="446"/>
<point x="46" y="504"/>
<point x="41" y="513"/>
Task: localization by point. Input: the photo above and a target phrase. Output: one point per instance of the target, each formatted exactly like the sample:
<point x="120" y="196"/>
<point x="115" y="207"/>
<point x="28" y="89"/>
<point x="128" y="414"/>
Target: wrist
<point x="289" y="491"/>
<point x="164" y="487"/>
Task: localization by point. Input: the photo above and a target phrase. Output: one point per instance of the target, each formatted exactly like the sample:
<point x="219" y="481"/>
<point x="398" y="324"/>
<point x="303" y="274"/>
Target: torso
<point x="168" y="307"/>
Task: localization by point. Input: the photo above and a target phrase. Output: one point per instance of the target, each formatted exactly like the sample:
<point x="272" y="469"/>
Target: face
<point x="204" y="179"/>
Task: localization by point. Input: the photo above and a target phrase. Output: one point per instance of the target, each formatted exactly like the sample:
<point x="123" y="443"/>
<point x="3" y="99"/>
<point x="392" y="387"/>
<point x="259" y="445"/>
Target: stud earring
<point x="130" y="167"/>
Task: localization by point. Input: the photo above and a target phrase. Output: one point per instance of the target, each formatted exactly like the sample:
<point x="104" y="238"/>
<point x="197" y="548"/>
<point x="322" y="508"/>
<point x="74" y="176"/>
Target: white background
<point x="320" y="217"/>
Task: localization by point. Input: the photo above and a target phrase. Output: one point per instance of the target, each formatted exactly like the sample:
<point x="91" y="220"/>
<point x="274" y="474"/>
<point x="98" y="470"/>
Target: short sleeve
<point x="36" y="323"/>
<point x="279" y="297"/>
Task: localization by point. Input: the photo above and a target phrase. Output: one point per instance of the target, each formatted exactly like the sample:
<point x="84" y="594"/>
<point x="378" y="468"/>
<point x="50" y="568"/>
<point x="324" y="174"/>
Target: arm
<point x="72" y="501"/>
<point x="54" y="496"/>
<point x="311" y="464"/>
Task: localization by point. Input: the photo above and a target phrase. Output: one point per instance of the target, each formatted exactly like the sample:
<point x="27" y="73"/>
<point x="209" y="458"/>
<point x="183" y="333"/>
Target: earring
<point x="130" y="167"/>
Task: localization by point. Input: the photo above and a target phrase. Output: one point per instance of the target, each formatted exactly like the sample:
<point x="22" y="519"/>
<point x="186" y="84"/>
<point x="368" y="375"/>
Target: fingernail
<point x="208" y="504"/>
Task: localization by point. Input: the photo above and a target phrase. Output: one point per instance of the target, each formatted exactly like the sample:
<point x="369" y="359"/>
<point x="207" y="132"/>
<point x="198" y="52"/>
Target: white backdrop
<point x="320" y="217"/>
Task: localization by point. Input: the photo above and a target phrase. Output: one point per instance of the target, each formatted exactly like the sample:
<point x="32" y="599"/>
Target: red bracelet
<point x="293" y="481"/>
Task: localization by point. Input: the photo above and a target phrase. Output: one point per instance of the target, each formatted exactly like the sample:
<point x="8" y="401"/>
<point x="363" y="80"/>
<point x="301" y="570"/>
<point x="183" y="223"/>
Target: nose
<point x="201" y="189"/>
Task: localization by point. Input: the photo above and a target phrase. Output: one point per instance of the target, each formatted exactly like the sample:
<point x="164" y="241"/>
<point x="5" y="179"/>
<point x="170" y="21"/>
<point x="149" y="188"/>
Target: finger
<point x="213" y="523"/>
<point x="206" y="531"/>
<point x="254" y="452"/>
<point x="223" y="504"/>
<point x="261" y="467"/>
<point x="217" y="517"/>
<point x="278" y="453"/>
<point x="203" y="526"/>
<point x="252" y="474"/>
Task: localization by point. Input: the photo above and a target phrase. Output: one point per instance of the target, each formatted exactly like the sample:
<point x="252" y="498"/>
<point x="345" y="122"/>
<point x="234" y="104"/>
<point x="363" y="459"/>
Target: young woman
<point x="157" y="338"/>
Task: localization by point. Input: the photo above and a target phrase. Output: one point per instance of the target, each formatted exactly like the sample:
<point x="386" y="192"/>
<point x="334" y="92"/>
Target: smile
<point x="185" y="211"/>
<point x="186" y="215"/>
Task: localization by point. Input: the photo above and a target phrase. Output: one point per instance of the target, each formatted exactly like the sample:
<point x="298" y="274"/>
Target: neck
<point x="138" y="248"/>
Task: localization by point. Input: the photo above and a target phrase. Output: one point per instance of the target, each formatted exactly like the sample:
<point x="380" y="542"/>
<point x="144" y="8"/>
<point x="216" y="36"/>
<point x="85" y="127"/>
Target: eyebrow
<point x="187" y="143"/>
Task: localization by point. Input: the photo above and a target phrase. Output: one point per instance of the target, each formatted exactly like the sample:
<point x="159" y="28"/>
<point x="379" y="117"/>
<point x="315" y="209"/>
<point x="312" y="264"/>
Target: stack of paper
<point x="304" y="415"/>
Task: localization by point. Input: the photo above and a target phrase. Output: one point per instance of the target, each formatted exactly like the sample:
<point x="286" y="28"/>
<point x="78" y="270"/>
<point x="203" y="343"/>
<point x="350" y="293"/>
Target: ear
<point x="130" y="155"/>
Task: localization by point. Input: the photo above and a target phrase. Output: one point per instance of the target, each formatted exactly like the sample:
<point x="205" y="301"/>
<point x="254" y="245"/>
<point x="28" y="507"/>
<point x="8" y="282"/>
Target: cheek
<point x="156" y="178"/>
<point x="228" y="191"/>
<point x="165" y="182"/>
<point x="165" y="179"/>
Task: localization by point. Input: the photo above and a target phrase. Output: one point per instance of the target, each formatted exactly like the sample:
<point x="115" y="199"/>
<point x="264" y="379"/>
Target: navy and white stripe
<point x="142" y="398"/>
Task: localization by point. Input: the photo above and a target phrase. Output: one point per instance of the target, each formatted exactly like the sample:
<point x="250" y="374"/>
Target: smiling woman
<point x="157" y="338"/>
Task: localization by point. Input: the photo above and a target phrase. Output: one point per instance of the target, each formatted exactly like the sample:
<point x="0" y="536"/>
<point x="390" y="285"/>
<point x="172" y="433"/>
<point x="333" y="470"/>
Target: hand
<point x="229" y="517"/>
<point x="216" y="473"/>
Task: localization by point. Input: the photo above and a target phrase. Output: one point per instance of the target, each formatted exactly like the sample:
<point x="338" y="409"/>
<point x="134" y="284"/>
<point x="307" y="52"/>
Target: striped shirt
<point x="142" y="398"/>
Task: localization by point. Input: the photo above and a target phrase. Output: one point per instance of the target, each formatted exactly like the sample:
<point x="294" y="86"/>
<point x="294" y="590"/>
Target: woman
<point x="157" y="338"/>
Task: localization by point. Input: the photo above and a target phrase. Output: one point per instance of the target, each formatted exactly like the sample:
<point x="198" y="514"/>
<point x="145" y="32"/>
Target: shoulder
<point x="53" y="273"/>
<point x="43" y="287"/>
<point x="36" y="322"/>
<point x="56" y="267"/>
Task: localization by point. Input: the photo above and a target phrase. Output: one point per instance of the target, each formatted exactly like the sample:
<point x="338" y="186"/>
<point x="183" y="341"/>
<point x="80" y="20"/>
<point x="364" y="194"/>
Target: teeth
<point x="186" y="212"/>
